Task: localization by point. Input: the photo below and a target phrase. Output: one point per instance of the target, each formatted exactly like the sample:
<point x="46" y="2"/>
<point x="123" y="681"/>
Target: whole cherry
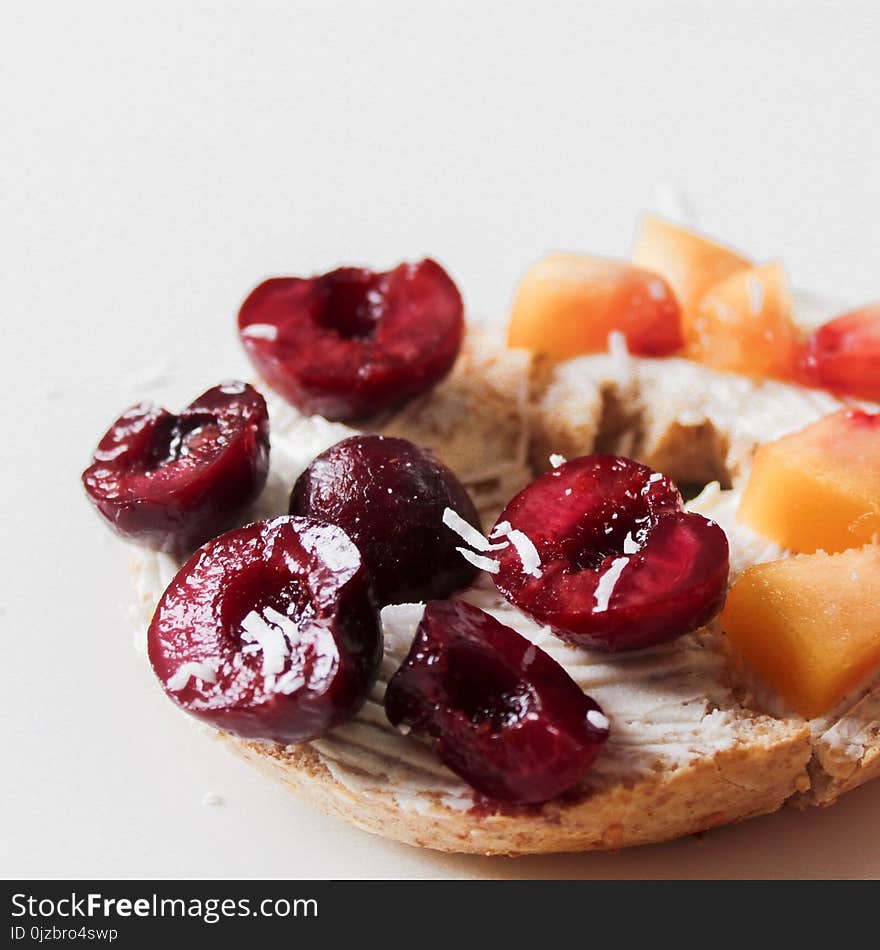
<point x="391" y="496"/>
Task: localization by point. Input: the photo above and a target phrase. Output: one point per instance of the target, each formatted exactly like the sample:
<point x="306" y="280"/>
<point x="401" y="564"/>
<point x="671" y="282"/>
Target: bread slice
<point x="691" y="747"/>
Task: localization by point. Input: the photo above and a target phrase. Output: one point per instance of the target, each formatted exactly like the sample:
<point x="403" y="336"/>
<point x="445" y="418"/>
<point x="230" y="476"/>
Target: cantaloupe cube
<point x="567" y="304"/>
<point x="744" y="325"/>
<point x="809" y="625"/>
<point x="818" y="488"/>
<point x="690" y="262"/>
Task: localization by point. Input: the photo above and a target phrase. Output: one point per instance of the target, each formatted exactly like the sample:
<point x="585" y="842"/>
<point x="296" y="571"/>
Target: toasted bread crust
<point x="751" y="779"/>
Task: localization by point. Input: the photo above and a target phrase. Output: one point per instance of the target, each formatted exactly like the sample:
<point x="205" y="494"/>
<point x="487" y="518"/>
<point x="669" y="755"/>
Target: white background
<point x="158" y="159"/>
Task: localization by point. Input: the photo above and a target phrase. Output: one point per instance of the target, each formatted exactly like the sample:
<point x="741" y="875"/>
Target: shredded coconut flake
<point x="597" y="719"/>
<point x="200" y="671"/>
<point x="261" y="331"/>
<point x="290" y="682"/>
<point x="483" y="563"/>
<point x="212" y="798"/>
<point x="617" y="345"/>
<point x="501" y="529"/>
<point x="756" y="293"/>
<point x="528" y="553"/>
<point x="557" y="460"/>
<point x="656" y="290"/>
<point x="269" y="638"/>
<point x="671" y="201"/>
<point x="630" y="545"/>
<point x="607" y="582"/>
<point x="286" y="625"/>
<point x="467" y="532"/>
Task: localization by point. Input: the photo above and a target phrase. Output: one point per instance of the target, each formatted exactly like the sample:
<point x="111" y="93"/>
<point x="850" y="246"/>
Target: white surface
<point x="158" y="159"/>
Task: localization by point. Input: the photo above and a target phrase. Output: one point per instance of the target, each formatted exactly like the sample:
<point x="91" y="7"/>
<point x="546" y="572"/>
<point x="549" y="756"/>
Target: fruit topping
<point x="269" y="631"/>
<point x="744" y="325"/>
<point x="818" y="487"/>
<point x="690" y="262"/>
<point x="170" y="482"/>
<point x="502" y="714"/>
<point x="390" y="497"/>
<point x="607" y="557"/>
<point x="567" y="304"/>
<point x="809" y="625"/>
<point x="844" y="354"/>
<point x="353" y="342"/>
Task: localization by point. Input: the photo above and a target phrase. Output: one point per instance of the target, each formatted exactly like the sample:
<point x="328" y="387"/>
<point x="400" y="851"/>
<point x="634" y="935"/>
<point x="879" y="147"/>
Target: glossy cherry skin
<point x="389" y="496"/>
<point x="352" y="343"/>
<point x="171" y="482"/>
<point x="270" y="631"/>
<point x="502" y="714"/>
<point x="622" y="566"/>
<point x="843" y="355"/>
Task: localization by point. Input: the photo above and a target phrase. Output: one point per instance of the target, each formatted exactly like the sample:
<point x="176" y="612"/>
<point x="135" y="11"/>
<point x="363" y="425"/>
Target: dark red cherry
<point x="502" y="714"/>
<point x="390" y="496"/>
<point x="171" y="482"/>
<point x="269" y="631"/>
<point x="353" y="342"/>
<point x="619" y="565"/>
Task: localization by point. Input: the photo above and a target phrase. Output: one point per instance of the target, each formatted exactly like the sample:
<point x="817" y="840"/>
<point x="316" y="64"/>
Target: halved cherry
<point x="269" y="631"/>
<point x="502" y="714"/>
<point x="170" y="482"/>
<point x="843" y="355"/>
<point x="390" y="497"/>
<point x="620" y="565"/>
<point x="353" y="342"/>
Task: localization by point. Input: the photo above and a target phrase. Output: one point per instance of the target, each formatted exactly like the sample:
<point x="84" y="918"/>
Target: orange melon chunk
<point x="819" y="487"/>
<point x="690" y="262"/>
<point x="809" y="626"/>
<point x="744" y="325"/>
<point x="567" y="304"/>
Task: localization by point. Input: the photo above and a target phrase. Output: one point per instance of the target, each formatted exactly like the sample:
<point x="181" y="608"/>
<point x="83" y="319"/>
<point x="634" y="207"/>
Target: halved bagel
<point x="692" y="746"/>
